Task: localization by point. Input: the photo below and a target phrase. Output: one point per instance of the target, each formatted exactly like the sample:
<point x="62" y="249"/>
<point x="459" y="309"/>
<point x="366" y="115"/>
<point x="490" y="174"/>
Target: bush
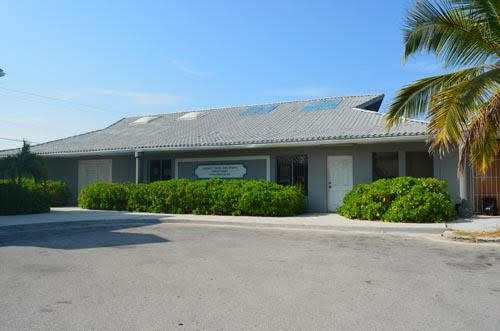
<point x="27" y="196"/>
<point x="18" y="199"/>
<point x="427" y="201"/>
<point x="182" y="196"/>
<point x="261" y="198"/>
<point x="403" y="199"/>
<point x="57" y="191"/>
<point x="105" y="196"/>
<point x="139" y="198"/>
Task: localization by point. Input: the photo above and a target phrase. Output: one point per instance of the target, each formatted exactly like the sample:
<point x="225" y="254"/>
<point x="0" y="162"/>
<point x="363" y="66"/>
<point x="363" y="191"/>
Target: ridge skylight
<point x="258" y="110"/>
<point x="144" y="120"/>
<point x="190" y="116"/>
<point x="321" y="105"/>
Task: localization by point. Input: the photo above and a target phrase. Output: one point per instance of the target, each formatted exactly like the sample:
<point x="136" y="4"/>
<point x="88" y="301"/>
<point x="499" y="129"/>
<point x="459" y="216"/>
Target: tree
<point x="23" y="164"/>
<point x="463" y="105"/>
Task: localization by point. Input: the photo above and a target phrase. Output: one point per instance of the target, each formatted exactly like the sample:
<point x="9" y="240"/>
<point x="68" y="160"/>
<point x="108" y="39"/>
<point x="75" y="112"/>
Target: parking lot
<point x="142" y="274"/>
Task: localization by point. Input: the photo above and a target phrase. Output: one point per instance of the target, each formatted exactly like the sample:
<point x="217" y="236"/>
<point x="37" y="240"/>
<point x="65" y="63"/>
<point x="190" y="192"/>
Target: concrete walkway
<point x="306" y="221"/>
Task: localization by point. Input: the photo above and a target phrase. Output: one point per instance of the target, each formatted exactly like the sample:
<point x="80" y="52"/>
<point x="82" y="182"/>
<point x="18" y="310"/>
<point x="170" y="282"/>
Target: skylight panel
<point x="190" y="116"/>
<point x="258" y="110"/>
<point x="144" y="120"/>
<point x="321" y="105"/>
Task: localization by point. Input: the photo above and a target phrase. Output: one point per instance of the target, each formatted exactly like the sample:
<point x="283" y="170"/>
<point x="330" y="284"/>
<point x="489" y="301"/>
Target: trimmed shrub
<point x="139" y="198"/>
<point x="57" y="191"/>
<point x="105" y="196"/>
<point x="17" y="199"/>
<point x="427" y="201"/>
<point x="170" y="197"/>
<point x="402" y="199"/>
<point x="182" y="196"/>
<point x="262" y="198"/>
<point x="26" y="196"/>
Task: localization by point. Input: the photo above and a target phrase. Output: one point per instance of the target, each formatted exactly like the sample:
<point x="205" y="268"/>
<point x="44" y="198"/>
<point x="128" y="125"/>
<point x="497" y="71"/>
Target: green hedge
<point x="26" y="196"/>
<point x="402" y="199"/>
<point x="184" y="196"/>
<point x="57" y="191"/>
<point x="106" y="196"/>
<point x="18" y="199"/>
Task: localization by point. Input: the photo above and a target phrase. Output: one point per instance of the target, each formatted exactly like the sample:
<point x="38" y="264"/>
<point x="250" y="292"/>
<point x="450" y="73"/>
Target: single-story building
<point x="325" y="145"/>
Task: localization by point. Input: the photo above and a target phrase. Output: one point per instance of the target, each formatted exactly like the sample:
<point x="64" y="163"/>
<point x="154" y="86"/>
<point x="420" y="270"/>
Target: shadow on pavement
<point x="79" y="235"/>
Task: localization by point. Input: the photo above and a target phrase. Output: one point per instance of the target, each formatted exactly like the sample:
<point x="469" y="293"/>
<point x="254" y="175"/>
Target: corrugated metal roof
<point x="286" y="123"/>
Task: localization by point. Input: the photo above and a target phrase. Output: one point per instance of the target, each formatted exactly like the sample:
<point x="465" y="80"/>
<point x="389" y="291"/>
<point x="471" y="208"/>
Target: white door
<point x="91" y="171"/>
<point x="339" y="179"/>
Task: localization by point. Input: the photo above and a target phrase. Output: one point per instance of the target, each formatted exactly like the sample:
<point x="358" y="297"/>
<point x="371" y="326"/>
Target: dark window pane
<point x="154" y="170"/>
<point x="284" y="171"/>
<point x="292" y="170"/>
<point x="160" y="170"/>
<point x="166" y="169"/>
<point x="300" y="172"/>
<point x="385" y="165"/>
<point x="419" y="164"/>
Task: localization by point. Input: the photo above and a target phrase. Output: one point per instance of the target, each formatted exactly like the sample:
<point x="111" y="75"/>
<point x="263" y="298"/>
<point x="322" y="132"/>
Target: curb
<point x="388" y="230"/>
<point x="450" y="235"/>
<point x="79" y="224"/>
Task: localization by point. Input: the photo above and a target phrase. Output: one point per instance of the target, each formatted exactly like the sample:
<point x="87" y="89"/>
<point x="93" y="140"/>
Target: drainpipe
<point x="139" y="167"/>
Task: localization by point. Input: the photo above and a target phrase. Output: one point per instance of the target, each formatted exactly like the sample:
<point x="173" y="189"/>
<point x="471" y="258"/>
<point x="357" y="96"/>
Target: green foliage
<point x="402" y="199"/>
<point x="57" y="191"/>
<point x="463" y="104"/>
<point x="27" y="196"/>
<point x="183" y="196"/>
<point x="139" y="198"/>
<point x="18" y="199"/>
<point x="23" y="165"/>
<point x="261" y="198"/>
<point x="106" y="196"/>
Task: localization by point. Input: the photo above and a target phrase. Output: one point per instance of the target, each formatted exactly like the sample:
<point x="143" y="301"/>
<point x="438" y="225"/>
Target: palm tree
<point x="462" y="105"/>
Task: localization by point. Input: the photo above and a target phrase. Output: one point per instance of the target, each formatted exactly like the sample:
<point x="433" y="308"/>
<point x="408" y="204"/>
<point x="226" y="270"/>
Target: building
<point x="325" y="145"/>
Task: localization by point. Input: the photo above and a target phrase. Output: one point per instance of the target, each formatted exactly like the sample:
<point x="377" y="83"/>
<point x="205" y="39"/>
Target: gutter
<point x="360" y="141"/>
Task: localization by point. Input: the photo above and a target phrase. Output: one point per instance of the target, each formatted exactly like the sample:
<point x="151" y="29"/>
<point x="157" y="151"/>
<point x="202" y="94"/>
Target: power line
<point x="61" y="100"/>
<point x="18" y="140"/>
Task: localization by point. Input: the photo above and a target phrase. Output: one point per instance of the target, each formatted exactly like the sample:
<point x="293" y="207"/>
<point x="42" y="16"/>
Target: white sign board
<point x="220" y="171"/>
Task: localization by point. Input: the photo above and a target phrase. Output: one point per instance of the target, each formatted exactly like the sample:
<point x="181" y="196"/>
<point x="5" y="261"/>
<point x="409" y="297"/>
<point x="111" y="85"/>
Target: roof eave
<point x="361" y="141"/>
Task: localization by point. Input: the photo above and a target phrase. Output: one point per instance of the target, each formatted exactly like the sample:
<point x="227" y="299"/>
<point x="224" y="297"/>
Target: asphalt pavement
<point x="147" y="275"/>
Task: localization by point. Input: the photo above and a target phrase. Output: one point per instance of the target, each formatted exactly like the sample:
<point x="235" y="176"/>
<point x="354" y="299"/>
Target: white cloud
<point x="143" y="98"/>
<point x="187" y="69"/>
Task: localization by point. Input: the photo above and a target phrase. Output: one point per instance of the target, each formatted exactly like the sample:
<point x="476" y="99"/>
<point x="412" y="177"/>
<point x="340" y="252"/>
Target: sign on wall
<point x="221" y="171"/>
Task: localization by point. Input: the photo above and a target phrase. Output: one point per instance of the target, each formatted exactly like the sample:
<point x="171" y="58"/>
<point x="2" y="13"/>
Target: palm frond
<point x="413" y="100"/>
<point x="450" y="30"/>
<point x="480" y="143"/>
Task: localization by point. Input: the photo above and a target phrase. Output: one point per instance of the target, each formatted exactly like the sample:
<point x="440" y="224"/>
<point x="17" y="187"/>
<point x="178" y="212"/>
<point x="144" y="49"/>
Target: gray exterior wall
<point x="124" y="166"/>
<point x="123" y="169"/>
<point x="65" y="170"/>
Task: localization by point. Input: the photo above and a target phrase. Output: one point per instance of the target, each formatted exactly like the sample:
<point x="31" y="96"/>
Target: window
<point x="160" y="170"/>
<point x="385" y="165"/>
<point x="292" y="170"/>
<point x="419" y="164"/>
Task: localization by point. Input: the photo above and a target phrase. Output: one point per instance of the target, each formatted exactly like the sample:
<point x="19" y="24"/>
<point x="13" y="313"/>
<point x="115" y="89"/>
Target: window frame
<point x="162" y="162"/>
<point x="429" y="158"/>
<point x="294" y="160"/>
<point x="374" y="154"/>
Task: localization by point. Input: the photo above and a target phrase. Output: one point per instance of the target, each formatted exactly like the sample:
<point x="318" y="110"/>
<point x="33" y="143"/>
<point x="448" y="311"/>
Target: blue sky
<point x="110" y="59"/>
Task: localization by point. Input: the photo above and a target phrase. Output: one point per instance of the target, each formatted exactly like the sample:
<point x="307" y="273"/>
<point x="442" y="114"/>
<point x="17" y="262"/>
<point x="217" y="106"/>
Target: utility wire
<point x="61" y="100"/>
<point x="18" y="140"/>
